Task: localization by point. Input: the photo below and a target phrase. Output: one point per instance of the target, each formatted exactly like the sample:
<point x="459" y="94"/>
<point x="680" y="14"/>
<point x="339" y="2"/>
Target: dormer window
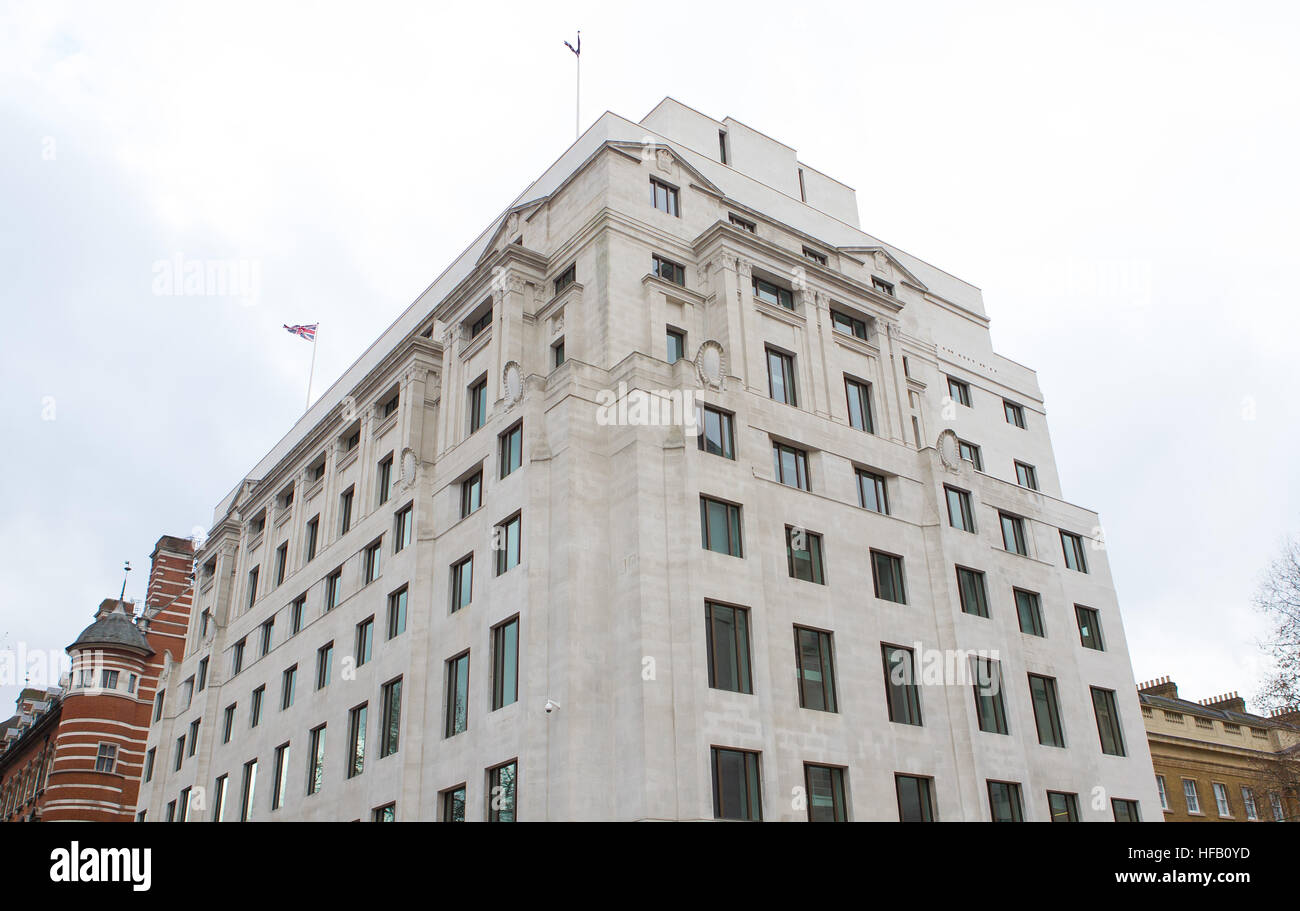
<point x="882" y="286"/>
<point x="566" y="278"/>
<point x="815" y="256"/>
<point x="773" y="294"/>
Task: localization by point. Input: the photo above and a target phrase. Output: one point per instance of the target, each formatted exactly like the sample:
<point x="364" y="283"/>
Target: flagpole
<point x="577" y="101"/>
<point x="311" y="375"/>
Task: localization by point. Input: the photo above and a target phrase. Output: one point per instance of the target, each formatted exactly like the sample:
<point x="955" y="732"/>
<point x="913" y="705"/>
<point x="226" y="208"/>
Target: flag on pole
<point x="577" y="51"/>
<point x="307" y="332"/>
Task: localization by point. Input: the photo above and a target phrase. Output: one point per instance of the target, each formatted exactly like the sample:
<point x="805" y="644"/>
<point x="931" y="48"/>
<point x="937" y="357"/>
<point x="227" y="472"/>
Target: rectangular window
<point x="887" y="577"/>
<point x="453" y="804"/>
<point x="281" y="779"/>
<point x="736" y="785"/>
<point x="250" y="788"/>
<point x="457" y="707"/>
<point x="859" y="395"/>
<point x="1275" y="802"/>
<point x="357" y="740"/>
<point x="676" y="346"/>
<point x="664" y="197"/>
<point x="397" y="613"/>
<point x="345" y="510"/>
<point x="228" y="722"/>
<point x="1125" y="810"/>
<point x="915" y="798"/>
<point x="471" y="493"/>
<point x="158" y="702"/>
<point x="1014" y="413"/>
<point x="365" y="640"/>
<point x="482" y="323"/>
<point x="333" y="589"/>
<point x="902" y="691"/>
<point x="1189" y="794"/>
<point x="372" y="560"/>
<point x="316" y="760"/>
<point x="727" y="638"/>
<point x="715" y="435"/>
<point x="502" y="783"/>
<point x="882" y="286"/>
<point x="743" y="224"/>
<point x="815" y="669"/>
<point x="386" y="813"/>
<point x="1047" y="710"/>
<point x="402" y="528"/>
<point x="505" y="663"/>
<point x="960" y="514"/>
<point x="1063" y="806"/>
<point x="281" y="562"/>
<point x="1221" y="799"/>
<point x="288" y="682"/>
<point x="1089" y="627"/>
<point x="1164" y="794"/>
<point x="255" y="709"/>
<point x="1026" y="475"/>
<point x="990" y="707"/>
<point x="566" y="278"/>
<point x="849" y="325"/>
<point x="462" y="583"/>
<point x="219" y="799"/>
<point x="313" y="537"/>
<point x="477" y="405"/>
<point x="557" y="354"/>
<point x="185" y="806"/>
<point x="1108" y="726"/>
<point x="1004" y="802"/>
<point x="773" y="294"/>
<point x="391" y="727"/>
<point x="1248" y="801"/>
<point x="1072" y="544"/>
<point x="324" y="659"/>
<point x="668" y="270"/>
<point x="512" y="449"/>
<point x="1013" y="534"/>
<point x="267" y="631"/>
<point x="972" y="592"/>
<point x="815" y="256"/>
<point x="507" y="543"/>
<point x="871" y="491"/>
<point x="1029" y="611"/>
<point x="720" y="527"/>
<point x="825" y="793"/>
<point x="803" y="552"/>
<point x="106" y="758"/>
<point x="390" y="407"/>
<point x="384" y="482"/>
<point x="296" y="610"/>
<point x="149" y="760"/>
<point x="959" y="391"/>
<point x="780" y="377"/>
<point x="971" y="453"/>
<point x="252" y="585"/>
<point x="790" y="466"/>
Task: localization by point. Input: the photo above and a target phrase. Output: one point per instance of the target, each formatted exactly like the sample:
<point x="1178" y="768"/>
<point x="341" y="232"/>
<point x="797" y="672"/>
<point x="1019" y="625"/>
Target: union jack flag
<point x="307" y="332"/>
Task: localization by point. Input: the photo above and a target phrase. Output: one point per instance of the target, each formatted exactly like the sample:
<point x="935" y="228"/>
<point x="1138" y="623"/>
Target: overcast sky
<point x="1119" y="179"/>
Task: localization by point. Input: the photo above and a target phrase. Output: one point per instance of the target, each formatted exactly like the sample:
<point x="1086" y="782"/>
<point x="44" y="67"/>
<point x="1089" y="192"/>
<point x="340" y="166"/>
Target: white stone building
<point x="656" y="674"/>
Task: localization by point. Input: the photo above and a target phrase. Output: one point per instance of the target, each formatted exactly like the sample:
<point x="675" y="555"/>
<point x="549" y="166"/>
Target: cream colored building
<point x="658" y="678"/>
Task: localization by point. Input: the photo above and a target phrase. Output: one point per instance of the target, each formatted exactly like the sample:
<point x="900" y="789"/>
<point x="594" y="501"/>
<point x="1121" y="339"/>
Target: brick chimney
<point x="1161" y="686"/>
<point x="1228" y="702"/>
<point x="1289" y="715"/>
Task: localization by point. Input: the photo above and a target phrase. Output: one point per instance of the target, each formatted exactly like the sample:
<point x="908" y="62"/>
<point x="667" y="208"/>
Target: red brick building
<point x="84" y="757"/>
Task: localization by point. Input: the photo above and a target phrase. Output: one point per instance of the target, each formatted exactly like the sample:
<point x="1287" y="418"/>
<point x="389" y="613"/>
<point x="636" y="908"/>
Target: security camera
<point x="551" y="706"/>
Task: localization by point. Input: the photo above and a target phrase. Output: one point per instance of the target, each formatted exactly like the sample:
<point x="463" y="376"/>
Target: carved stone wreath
<point x="711" y="364"/>
<point x="949" y="450"/>
<point x="512" y="383"/>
